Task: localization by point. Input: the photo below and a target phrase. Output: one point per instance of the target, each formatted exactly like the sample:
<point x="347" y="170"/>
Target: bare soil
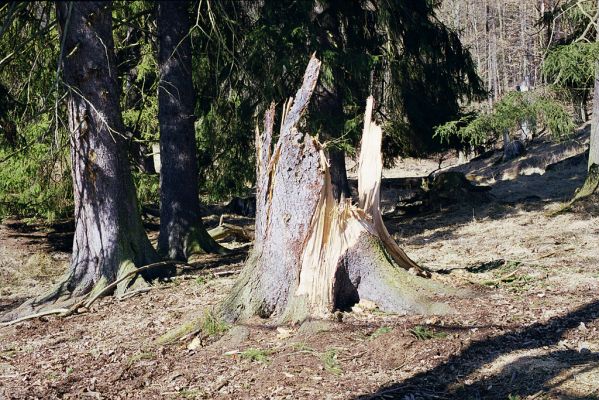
<point x="530" y="329"/>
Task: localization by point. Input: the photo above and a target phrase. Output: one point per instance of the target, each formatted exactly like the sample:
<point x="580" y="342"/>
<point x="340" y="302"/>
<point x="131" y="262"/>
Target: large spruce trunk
<point x="109" y="236"/>
<point x="594" y="142"/>
<point x="313" y="254"/>
<point x="181" y="228"/>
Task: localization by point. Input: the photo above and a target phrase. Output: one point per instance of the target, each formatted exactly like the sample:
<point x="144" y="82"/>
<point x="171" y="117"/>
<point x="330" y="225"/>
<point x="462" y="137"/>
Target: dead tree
<point x="313" y="255"/>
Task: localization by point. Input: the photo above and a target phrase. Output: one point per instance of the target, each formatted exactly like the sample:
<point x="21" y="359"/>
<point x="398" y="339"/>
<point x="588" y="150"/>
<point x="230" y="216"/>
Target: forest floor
<point x="530" y="330"/>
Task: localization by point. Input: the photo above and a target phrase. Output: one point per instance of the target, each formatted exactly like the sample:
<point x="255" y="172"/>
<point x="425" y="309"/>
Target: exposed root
<point x="135" y="293"/>
<point x="200" y="241"/>
<point x="180" y="331"/>
<point x="114" y="284"/>
<point x="88" y="300"/>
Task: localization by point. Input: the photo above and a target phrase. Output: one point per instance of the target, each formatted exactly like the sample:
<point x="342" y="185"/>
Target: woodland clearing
<point x="529" y="330"/>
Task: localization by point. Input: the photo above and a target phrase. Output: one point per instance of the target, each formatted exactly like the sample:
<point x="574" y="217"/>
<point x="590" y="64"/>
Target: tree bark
<point x="109" y="236"/>
<point x="313" y="254"/>
<point x="181" y="229"/>
<point x="328" y="104"/>
<point x="594" y="141"/>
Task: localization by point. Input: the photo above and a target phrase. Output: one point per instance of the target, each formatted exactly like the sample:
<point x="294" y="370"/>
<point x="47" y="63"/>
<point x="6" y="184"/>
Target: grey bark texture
<point x="109" y="236"/>
<point x="313" y="254"/>
<point x="287" y="197"/>
<point x="594" y="141"/>
<point x="181" y="229"/>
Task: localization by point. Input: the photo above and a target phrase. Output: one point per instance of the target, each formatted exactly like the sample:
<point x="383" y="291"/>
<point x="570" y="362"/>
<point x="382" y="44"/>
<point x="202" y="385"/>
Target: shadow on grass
<point x="529" y="375"/>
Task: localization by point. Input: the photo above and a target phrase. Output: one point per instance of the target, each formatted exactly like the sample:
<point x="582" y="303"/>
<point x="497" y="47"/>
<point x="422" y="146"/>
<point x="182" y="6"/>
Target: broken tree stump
<point x="312" y="254"/>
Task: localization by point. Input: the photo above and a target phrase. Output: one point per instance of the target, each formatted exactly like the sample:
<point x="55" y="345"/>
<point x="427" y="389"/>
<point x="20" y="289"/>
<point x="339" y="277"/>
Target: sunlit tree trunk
<point x="594" y="142"/>
<point x="312" y="253"/>
<point x="181" y="228"/>
<point x="109" y="236"/>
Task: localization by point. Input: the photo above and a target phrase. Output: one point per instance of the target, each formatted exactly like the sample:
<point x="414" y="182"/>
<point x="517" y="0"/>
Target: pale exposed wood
<point x="369" y="187"/>
<point x="263" y="157"/>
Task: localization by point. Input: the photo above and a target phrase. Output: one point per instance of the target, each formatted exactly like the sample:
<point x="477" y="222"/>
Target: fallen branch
<point x="226" y="273"/>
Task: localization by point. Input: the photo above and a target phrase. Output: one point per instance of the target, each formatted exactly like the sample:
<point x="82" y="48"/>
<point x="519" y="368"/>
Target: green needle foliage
<point x="246" y="54"/>
<point x="572" y="65"/>
<point x="252" y="53"/>
<point x="538" y="108"/>
<point x="34" y="168"/>
<point x="570" y="62"/>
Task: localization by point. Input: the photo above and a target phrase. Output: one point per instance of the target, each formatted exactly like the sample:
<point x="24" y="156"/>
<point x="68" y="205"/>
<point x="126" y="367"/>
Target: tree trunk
<point x="312" y="254"/>
<point x="328" y="104"/>
<point x="181" y="229"/>
<point x="594" y="141"/>
<point x="109" y="236"/>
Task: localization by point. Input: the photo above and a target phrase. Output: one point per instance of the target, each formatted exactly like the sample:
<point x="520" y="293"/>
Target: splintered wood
<point x="312" y="254"/>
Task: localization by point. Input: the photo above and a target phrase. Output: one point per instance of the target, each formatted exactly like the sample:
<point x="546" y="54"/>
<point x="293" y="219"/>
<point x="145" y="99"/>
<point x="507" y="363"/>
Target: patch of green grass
<point x="189" y="393"/>
<point x="330" y="361"/>
<point x="202" y="280"/>
<point x="212" y="325"/>
<point x="515" y="282"/>
<point x="301" y="346"/>
<point x="52" y="376"/>
<point x="511" y="265"/>
<point x="9" y="352"/>
<point x="425" y="333"/>
<point x="380" y="331"/>
<point x="209" y="324"/>
<point x="485" y="267"/>
<point x="258" y="355"/>
<point x="506" y="276"/>
<point x="180" y="331"/>
<point x="514" y="397"/>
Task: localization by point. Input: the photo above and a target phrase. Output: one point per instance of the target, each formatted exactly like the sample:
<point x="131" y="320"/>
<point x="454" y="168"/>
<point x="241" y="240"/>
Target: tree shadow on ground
<point x="523" y="193"/>
<point x="57" y="236"/>
<point x="529" y="375"/>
